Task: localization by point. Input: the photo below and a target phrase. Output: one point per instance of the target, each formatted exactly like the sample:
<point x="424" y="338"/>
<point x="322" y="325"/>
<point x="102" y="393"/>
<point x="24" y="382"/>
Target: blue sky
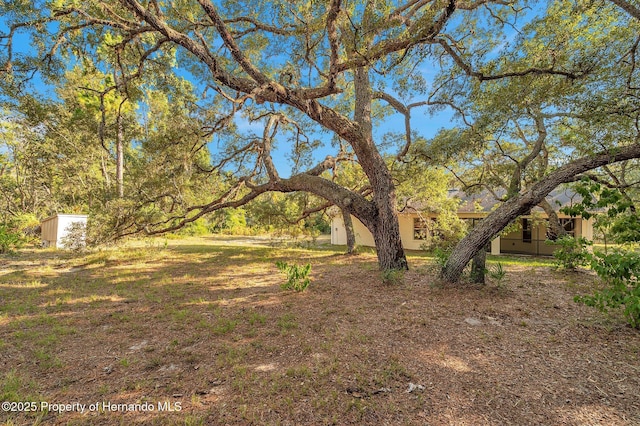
<point x="425" y="124"/>
<point x="422" y="122"/>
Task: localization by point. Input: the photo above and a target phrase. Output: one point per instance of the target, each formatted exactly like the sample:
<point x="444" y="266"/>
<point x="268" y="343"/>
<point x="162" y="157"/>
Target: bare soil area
<point x="201" y="333"/>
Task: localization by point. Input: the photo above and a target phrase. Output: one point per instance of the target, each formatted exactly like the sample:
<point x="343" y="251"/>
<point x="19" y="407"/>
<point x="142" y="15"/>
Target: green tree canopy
<point x="337" y="68"/>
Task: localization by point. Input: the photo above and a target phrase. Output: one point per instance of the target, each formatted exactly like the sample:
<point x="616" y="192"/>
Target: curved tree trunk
<point x="491" y="226"/>
<point x="380" y="218"/>
<point x="120" y="138"/>
<point x="554" y="230"/>
<point x="386" y="234"/>
<point x="348" y="226"/>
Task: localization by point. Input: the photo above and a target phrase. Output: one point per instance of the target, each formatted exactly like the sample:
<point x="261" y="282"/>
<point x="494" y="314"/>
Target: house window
<point x="526" y="230"/>
<point x="471" y="222"/>
<point x="569" y="226"/>
<point x="420" y="229"/>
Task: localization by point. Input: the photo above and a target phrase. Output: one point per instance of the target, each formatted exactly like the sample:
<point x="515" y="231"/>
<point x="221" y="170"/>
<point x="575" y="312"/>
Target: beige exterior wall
<point x="510" y="243"/>
<point x="406" y="232"/>
<point x="514" y="242"/>
<point x="586" y="228"/>
<point x="49" y="231"/>
<point x="339" y="233"/>
<point x="54" y="228"/>
<point x="365" y="238"/>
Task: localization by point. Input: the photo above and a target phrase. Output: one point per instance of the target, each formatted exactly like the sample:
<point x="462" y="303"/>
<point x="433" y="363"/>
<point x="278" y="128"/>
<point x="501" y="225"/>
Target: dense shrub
<point x="196" y="228"/>
<point x="10" y="238"/>
<point x="572" y="252"/>
<point x="620" y="270"/>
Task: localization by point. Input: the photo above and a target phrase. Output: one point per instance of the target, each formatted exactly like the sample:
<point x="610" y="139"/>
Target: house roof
<point x="485" y="201"/>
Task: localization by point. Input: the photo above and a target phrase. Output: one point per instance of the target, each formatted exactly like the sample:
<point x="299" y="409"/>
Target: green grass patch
<point x="526" y="261"/>
<point x="256" y="318"/>
<point x="46" y="360"/>
<point x="14" y="387"/>
<point x="224" y="326"/>
<point x="230" y="356"/>
<point x="287" y="322"/>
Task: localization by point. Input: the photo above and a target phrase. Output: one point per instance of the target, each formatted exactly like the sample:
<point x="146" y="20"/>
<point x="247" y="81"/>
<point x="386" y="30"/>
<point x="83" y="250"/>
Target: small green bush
<point x="620" y="270"/>
<point x="297" y="276"/>
<point x="572" y="252"/>
<point x="497" y="272"/>
<point x="10" y="238"/>
<point x="195" y="229"/>
<point x="392" y="276"/>
<point x="441" y="256"/>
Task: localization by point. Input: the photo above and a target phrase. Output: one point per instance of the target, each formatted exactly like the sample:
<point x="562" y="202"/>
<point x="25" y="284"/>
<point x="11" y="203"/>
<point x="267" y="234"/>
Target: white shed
<point x="56" y="227"/>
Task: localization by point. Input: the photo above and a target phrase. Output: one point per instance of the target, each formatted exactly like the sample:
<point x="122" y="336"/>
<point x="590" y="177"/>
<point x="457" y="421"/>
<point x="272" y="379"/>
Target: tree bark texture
<point x="384" y="225"/>
<point x="120" y="155"/>
<point x="105" y="172"/>
<point x="479" y="266"/>
<point x="348" y="226"/>
<point x="554" y="230"/>
<point x="491" y="226"/>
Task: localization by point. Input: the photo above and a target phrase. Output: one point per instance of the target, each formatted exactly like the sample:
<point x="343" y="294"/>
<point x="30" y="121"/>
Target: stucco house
<point x="528" y="237"/>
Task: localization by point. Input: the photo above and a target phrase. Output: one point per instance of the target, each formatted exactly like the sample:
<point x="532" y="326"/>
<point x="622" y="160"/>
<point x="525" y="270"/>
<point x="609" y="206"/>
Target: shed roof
<point x="79" y="216"/>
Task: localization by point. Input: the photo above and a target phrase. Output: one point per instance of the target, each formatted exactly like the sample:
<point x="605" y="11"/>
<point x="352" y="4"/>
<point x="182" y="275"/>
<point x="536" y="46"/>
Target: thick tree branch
<point x="231" y="44"/>
<point x="332" y="35"/>
<point x="496" y="221"/>
<point x="330" y="191"/>
<point x="269" y="132"/>
<point x="484" y="77"/>
<point x="415" y="36"/>
<point x="521" y="166"/>
<point x="197" y="49"/>
<point x="406" y="112"/>
<point x="259" y="26"/>
<point x="631" y="9"/>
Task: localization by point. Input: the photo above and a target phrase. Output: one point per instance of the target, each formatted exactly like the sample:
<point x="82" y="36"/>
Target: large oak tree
<point x="284" y="61"/>
<point x="304" y="68"/>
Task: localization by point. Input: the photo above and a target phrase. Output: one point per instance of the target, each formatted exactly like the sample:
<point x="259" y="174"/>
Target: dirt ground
<point x="201" y="333"/>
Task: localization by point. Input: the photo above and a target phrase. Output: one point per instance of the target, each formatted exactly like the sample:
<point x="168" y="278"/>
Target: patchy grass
<point x="202" y="326"/>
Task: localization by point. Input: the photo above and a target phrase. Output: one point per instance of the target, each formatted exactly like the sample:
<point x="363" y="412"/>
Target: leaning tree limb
<point x="493" y="224"/>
